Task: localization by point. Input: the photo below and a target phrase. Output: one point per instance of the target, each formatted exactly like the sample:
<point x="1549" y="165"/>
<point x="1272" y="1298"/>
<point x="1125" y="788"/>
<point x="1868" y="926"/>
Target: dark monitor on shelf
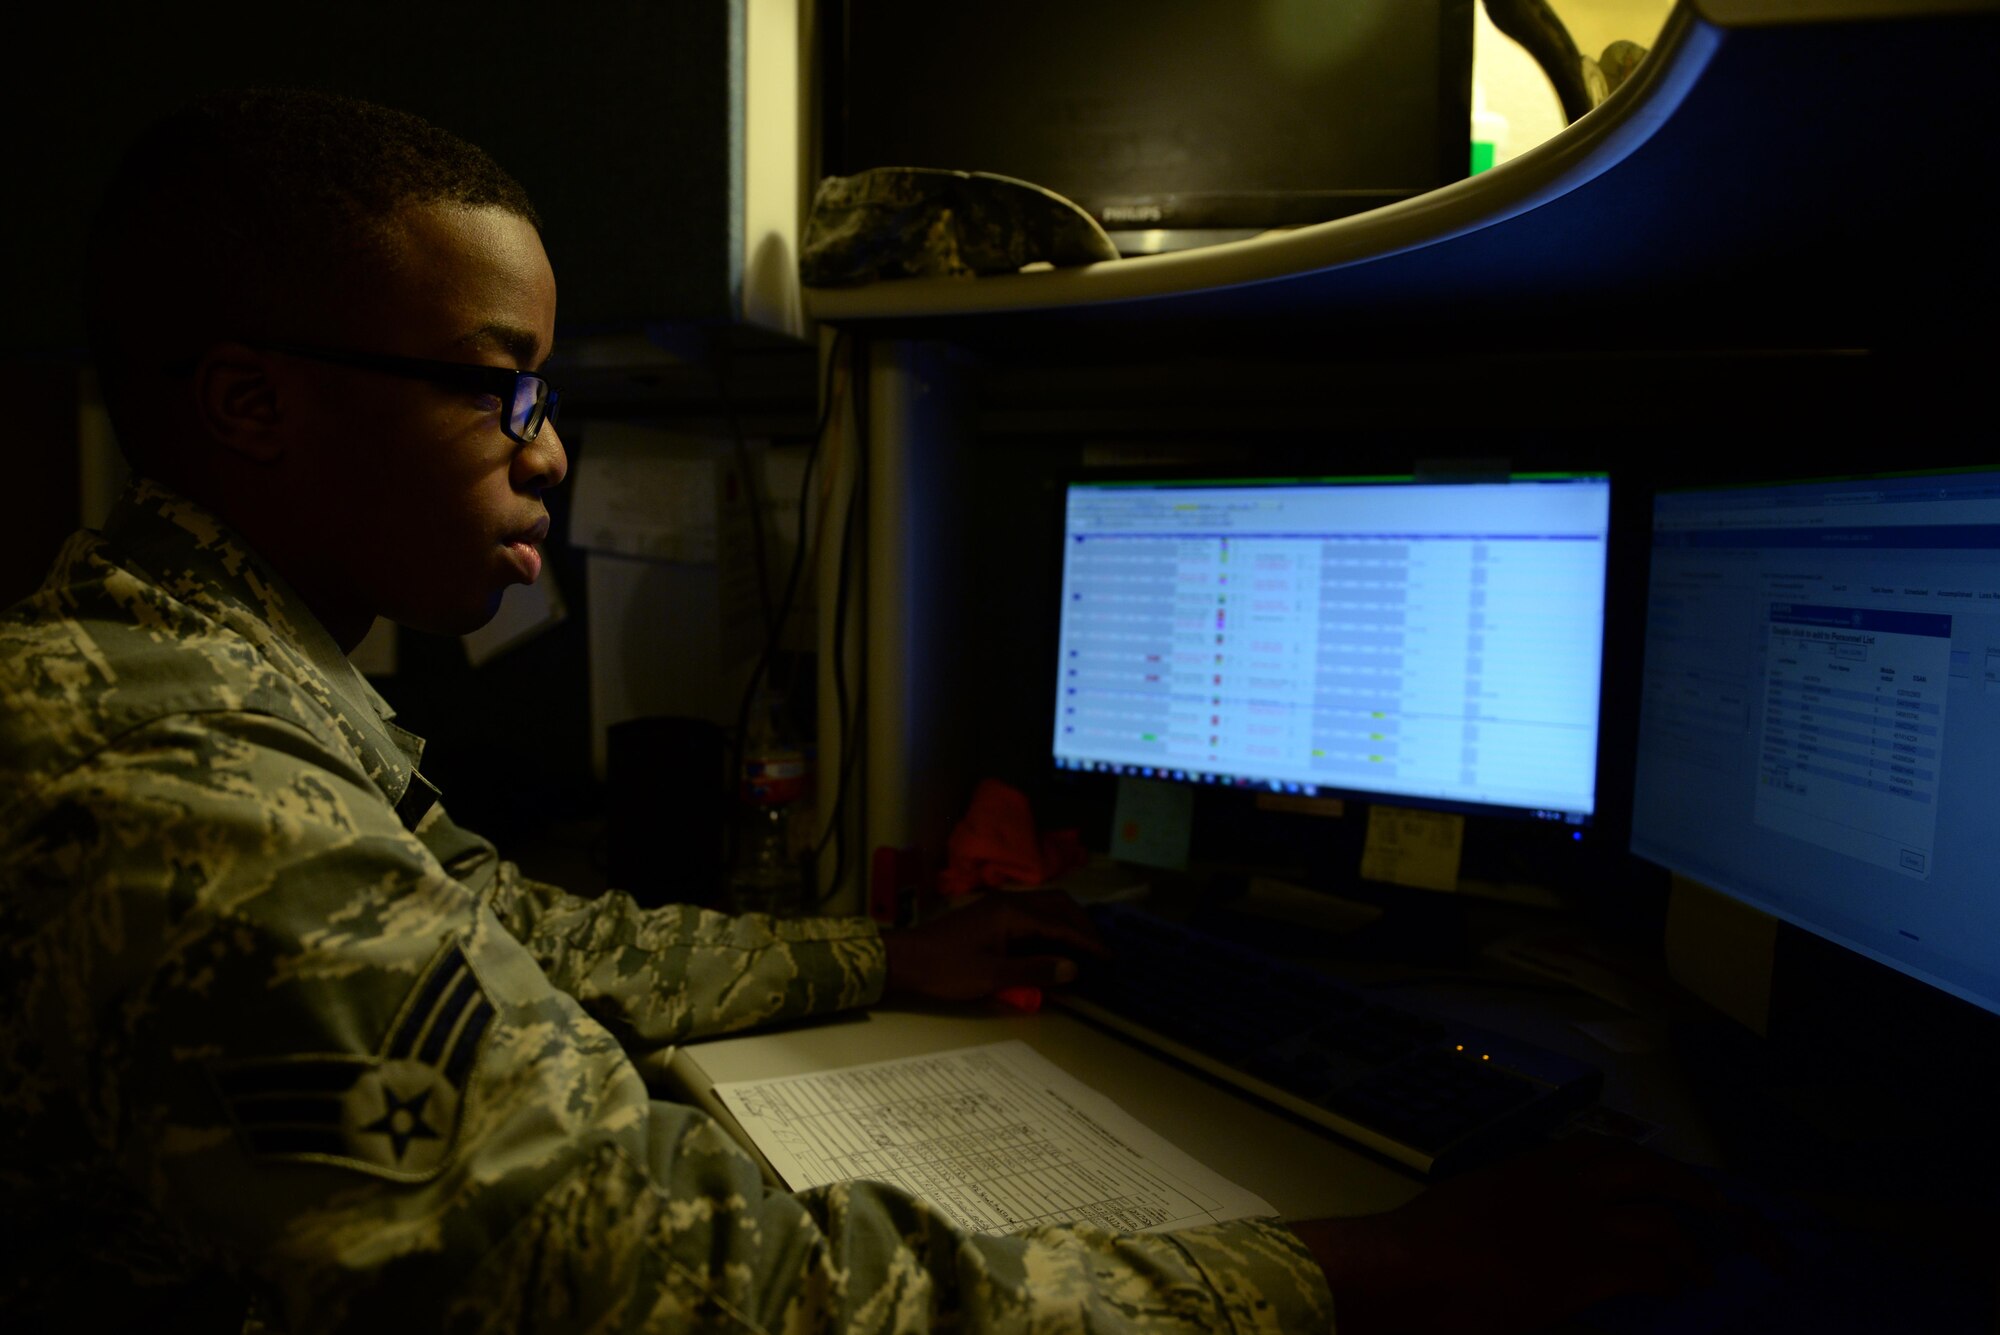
<point x="1170" y="121"/>
<point x="1428" y="644"/>
<point x="1819" y="733"/>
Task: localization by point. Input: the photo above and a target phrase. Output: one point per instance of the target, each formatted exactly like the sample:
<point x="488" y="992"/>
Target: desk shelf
<point x="1814" y="173"/>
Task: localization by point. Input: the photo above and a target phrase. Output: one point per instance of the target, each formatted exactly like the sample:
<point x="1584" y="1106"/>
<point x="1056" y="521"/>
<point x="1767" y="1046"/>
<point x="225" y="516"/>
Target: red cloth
<point x="996" y="844"/>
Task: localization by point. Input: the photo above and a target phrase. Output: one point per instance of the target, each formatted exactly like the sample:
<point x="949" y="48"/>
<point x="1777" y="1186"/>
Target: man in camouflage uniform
<point x="272" y="1024"/>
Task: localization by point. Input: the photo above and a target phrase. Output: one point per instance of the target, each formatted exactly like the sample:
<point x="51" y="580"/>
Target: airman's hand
<point x="1001" y="939"/>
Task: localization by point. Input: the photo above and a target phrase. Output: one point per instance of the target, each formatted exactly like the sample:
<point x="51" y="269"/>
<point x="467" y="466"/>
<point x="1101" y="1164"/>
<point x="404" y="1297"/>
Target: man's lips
<point x="533" y="534"/>
<point x="522" y="548"/>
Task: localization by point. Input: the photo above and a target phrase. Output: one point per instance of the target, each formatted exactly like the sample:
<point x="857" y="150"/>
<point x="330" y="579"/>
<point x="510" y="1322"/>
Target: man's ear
<point x="238" y="401"/>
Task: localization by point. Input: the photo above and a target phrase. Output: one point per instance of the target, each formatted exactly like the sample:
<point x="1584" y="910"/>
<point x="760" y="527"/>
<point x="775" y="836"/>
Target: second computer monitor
<point x="1435" y="644"/>
<point x="1820" y="734"/>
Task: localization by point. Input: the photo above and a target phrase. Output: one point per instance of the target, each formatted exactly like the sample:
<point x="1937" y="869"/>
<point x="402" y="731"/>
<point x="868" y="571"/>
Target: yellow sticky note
<point x="1419" y="848"/>
<point x="1151" y="824"/>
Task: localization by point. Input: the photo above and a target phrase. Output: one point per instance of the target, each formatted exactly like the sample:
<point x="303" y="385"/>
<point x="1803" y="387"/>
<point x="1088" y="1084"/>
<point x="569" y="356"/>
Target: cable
<point x="753" y="493"/>
<point x="1541" y="33"/>
<point x="775" y="625"/>
<point x="834" y="832"/>
<point x="850" y="723"/>
<point x="793" y="576"/>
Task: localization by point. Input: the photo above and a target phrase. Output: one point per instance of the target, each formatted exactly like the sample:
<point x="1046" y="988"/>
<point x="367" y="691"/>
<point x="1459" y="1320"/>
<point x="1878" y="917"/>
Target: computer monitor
<point x="1421" y="643"/>
<point x="1173" y="122"/>
<point x="1819" y="732"/>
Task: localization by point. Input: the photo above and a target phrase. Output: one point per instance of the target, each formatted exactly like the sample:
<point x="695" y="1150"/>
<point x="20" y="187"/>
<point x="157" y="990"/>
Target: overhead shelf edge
<point x="1593" y="145"/>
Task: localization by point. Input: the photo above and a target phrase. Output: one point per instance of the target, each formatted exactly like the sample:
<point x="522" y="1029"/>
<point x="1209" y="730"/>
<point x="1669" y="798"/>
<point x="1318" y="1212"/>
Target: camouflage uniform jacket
<point x="270" y="1021"/>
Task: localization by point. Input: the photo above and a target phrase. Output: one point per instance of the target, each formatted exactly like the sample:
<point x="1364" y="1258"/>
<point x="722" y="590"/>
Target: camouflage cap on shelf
<point x="909" y="222"/>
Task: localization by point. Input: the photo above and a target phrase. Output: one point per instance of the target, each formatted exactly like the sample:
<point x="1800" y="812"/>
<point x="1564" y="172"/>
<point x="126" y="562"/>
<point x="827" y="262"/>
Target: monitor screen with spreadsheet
<point x="1430" y="644"/>
<point x="1819" y="732"/>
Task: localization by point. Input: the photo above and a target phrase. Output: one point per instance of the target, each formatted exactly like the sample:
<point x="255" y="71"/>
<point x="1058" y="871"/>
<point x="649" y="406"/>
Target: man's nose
<point x="542" y="463"/>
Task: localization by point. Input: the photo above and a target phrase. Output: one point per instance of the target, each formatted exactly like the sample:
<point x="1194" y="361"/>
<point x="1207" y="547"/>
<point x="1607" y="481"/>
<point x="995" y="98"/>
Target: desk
<point x="1848" y="1282"/>
<point x="1303" y="1173"/>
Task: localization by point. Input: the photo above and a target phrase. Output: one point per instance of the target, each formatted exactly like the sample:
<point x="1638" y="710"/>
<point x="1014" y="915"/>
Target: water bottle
<point x="767" y="874"/>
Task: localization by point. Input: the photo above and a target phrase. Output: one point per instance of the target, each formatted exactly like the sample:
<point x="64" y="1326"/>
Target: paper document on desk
<point x="998" y="1138"/>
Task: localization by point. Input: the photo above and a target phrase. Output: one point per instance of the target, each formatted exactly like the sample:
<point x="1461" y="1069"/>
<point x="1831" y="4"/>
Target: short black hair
<point x="223" y="216"/>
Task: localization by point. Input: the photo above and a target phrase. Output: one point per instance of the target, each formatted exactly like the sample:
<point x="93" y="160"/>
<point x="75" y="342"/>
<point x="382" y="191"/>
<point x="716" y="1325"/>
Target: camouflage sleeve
<point x="862" y="1257"/>
<point x="327" y="1066"/>
<point x="660" y="975"/>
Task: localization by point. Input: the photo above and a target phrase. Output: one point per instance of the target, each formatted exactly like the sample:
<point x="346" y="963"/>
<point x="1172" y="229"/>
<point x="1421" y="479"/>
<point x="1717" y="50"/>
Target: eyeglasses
<point x="530" y="402"/>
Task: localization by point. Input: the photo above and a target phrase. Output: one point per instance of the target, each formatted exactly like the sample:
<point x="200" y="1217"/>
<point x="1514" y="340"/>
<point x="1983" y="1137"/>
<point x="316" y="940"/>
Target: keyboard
<point x="1433" y="1095"/>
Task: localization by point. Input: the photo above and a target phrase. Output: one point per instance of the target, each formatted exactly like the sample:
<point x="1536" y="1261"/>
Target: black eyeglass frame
<point x="496" y="380"/>
<point x="499" y="381"/>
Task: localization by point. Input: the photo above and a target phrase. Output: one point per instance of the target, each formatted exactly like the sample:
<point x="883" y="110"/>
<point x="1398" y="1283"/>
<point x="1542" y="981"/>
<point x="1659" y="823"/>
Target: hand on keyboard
<point x="1429" y="1094"/>
<point x="1007" y="939"/>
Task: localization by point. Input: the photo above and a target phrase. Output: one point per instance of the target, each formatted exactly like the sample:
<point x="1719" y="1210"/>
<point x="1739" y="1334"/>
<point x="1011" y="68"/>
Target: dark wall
<point x="42" y="471"/>
<point x="616" y="115"/>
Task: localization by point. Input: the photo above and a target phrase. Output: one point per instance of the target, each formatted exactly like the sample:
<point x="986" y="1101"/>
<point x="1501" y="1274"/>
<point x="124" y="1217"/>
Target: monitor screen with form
<point x="1820" y="729"/>
<point x="1435" y="644"/>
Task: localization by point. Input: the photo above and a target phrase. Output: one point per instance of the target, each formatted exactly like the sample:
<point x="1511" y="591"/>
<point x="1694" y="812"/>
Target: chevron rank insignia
<point x="394" y="1114"/>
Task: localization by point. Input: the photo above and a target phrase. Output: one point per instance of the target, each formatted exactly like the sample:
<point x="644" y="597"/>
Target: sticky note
<point x="1150" y="824"/>
<point x="1419" y="848"/>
